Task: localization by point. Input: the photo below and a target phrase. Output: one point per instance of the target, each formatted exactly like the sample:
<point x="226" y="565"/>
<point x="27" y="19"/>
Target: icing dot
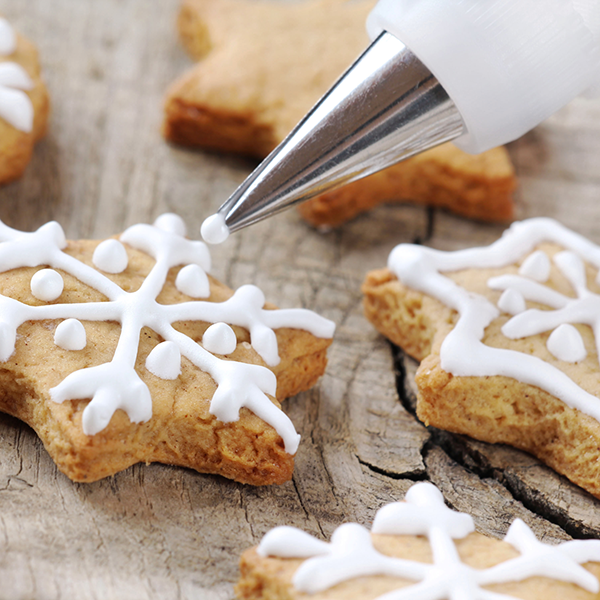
<point x="110" y="256"/>
<point x="70" y="335"/>
<point x="536" y="266"/>
<point x="512" y="302"/>
<point x="165" y="361"/>
<point x="47" y="285"/>
<point x="8" y="40"/>
<point x="214" y="230"/>
<point x="193" y="281"/>
<point x="172" y="223"/>
<point x="565" y="343"/>
<point x="219" y="339"/>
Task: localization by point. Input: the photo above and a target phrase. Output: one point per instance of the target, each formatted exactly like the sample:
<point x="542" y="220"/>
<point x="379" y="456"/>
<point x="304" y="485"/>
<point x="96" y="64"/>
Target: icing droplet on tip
<point x="70" y="335"/>
<point x="172" y="223"/>
<point x="164" y="361"/>
<point x="193" y="281"/>
<point x="214" y="230"/>
<point x="566" y="343"/>
<point x="47" y="285"/>
<point x="110" y="256"/>
<point x="536" y="266"/>
<point x="219" y="339"/>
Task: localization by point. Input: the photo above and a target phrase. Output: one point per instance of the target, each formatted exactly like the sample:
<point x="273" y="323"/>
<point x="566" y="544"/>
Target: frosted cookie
<point x="507" y="336"/>
<point x="264" y="64"/>
<point x="418" y="550"/>
<point x="126" y="351"/>
<point x="24" y="104"/>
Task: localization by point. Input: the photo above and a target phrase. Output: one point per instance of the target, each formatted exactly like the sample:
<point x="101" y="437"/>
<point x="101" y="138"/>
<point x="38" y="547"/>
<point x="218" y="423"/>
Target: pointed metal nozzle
<point x="385" y="108"/>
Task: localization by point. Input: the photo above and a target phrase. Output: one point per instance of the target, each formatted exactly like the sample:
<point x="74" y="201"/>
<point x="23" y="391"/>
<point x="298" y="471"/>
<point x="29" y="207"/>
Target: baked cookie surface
<point x="126" y="351"/>
<point x="24" y="104"/>
<point x="507" y="339"/>
<point x="264" y="64"/>
<point x="418" y="549"/>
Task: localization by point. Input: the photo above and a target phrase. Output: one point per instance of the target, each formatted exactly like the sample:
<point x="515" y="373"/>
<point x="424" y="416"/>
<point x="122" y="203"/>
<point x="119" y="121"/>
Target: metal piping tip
<point x="385" y="108"/>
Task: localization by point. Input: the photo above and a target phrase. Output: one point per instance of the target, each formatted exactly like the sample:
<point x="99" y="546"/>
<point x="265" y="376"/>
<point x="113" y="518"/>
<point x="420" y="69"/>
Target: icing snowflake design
<point x="15" y="105"/>
<point x="351" y="554"/>
<point x="116" y="384"/>
<point x="463" y="353"/>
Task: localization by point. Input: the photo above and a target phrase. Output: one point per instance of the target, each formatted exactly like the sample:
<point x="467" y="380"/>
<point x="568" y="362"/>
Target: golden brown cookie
<point x="125" y="351"/>
<point x="418" y="549"/>
<point x="506" y="339"/>
<point x="263" y="65"/>
<point x="24" y="104"/>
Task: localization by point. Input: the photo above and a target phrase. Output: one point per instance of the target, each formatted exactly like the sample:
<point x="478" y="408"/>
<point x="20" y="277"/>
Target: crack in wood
<point x="430" y="211"/>
<point x="473" y="457"/>
<point x="418" y="475"/>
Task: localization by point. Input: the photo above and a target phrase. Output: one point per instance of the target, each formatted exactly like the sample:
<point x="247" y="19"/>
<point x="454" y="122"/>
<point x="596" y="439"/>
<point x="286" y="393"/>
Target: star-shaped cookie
<point x="127" y="351"/>
<point x="263" y="64"/>
<point x="24" y="104"/>
<point x="508" y="338"/>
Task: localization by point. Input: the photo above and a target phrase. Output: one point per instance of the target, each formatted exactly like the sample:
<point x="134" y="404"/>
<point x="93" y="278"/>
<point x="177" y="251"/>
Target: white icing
<point x="351" y="554"/>
<point x="164" y="360"/>
<point x="70" y="335"/>
<point x="171" y="223"/>
<point x="219" y="339"/>
<point x="16" y="108"/>
<point x="110" y="256"/>
<point x="462" y="352"/>
<point x="116" y="384"/>
<point x="214" y="230"/>
<point x="512" y="302"/>
<point x="193" y="281"/>
<point x="566" y="343"/>
<point x="47" y="285"/>
<point x="14" y="76"/>
<point x="15" y="105"/>
<point x="536" y="266"/>
<point x="8" y="39"/>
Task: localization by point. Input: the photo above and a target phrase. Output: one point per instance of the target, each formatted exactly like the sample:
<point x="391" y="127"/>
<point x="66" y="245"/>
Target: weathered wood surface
<point x="161" y="532"/>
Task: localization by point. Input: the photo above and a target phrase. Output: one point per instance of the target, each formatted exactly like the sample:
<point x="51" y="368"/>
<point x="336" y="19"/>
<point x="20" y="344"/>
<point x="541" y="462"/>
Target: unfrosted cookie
<point x="126" y="351"/>
<point x="418" y="550"/>
<point x="507" y="336"/>
<point x="24" y="104"/>
<point x="264" y="64"/>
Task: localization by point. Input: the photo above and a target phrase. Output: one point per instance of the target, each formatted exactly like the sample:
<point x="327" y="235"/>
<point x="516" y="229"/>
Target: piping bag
<point x="479" y="72"/>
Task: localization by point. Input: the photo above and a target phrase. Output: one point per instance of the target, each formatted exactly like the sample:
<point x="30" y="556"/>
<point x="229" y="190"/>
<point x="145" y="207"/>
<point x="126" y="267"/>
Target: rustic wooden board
<point x="161" y="532"/>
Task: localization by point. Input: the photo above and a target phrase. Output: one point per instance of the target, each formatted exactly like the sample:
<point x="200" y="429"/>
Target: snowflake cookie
<point x="24" y="102"/>
<point x="418" y="550"/>
<point x="126" y="351"/>
<point x="508" y="338"/>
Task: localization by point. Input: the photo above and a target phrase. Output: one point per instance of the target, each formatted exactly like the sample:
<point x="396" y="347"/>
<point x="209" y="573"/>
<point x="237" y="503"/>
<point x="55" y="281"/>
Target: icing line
<point x="351" y="554"/>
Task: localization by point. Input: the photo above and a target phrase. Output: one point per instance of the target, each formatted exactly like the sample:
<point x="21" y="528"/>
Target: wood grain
<point x="155" y="532"/>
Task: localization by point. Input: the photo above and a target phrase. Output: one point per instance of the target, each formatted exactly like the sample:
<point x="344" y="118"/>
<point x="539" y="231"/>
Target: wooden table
<point x="162" y="532"/>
